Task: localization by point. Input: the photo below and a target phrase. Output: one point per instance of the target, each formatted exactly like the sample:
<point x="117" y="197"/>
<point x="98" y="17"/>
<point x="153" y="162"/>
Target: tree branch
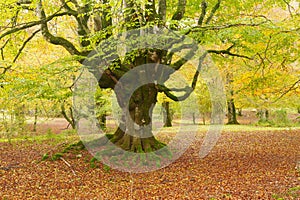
<point x="162" y="9"/>
<point x="227" y="52"/>
<point x="178" y="15"/>
<point x="104" y="21"/>
<point x="188" y="90"/>
<point x="75" y="3"/>
<point x="51" y="38"/>
<point x="82" y="18"/>
<point x="292" y="87"/>
<point x="178" y="64"/>
<point x="150" y="13"/>
<point x="129" y="10"/>
<point x="82" y="24"/>
<point x="20" y="50"/>
<point x="216" y="28"/>
<point x="213" y="12"/>
<point x="68" y="164"/>
<point x="20" y="2"/>
<point x="168" y="93"/>
<point x="289" y="31"/>
<point x="289" y="7"/>
<point x="32" y="24"/>
<point x="70" y="10"/>
<point x="24" y="44"/>
<point x="2" y="48"/>
<point x="70" y="119"/>
<point x="196" y="75"/>
<point x="203" y="12"/>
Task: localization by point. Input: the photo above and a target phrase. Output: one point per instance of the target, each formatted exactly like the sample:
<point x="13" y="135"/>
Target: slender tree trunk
<point x="239" y="112"/>
<point x="267" y="114"/>
<point x="135" y="130"/>
<point x="20" y="117"/>
<point x="167" y="114"/>
<point x="70" y="118"/>
<point x="203" y="118"/>
<point x="194" y="119"/>
<point x="231" y="112"/>
<point x="35" y="118"/>
<point x="263" y="115"/>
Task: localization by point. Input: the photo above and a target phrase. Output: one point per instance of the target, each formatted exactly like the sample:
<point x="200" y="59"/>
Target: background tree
<point x="204" y="102"/>
<point x="167" y="114"/>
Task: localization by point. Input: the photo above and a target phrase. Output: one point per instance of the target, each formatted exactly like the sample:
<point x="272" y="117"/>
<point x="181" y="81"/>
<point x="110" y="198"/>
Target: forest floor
<point x="245" y="164"/>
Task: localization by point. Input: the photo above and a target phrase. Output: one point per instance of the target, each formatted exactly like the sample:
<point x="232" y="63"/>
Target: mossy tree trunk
<point x="135" y="129"/>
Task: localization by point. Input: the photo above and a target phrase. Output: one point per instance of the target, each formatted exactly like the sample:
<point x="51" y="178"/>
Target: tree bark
<point x="167" y="114"/>
<point x="70" y="119"/>
<point x="135" y="129"/>
<point x="194" y="119"/>
<point x="178" y="15"/>
<point x="231" y="112"/>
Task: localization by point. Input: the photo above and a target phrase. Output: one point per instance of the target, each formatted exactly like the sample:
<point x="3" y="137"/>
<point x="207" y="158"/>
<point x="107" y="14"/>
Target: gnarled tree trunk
<point x="135" y="129"/>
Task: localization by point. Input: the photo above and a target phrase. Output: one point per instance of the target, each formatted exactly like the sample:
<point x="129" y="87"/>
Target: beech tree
<point x="79" y="26"/>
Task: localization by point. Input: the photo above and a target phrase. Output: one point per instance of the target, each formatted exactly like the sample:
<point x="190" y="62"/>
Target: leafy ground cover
<point x="243" y="165"/>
